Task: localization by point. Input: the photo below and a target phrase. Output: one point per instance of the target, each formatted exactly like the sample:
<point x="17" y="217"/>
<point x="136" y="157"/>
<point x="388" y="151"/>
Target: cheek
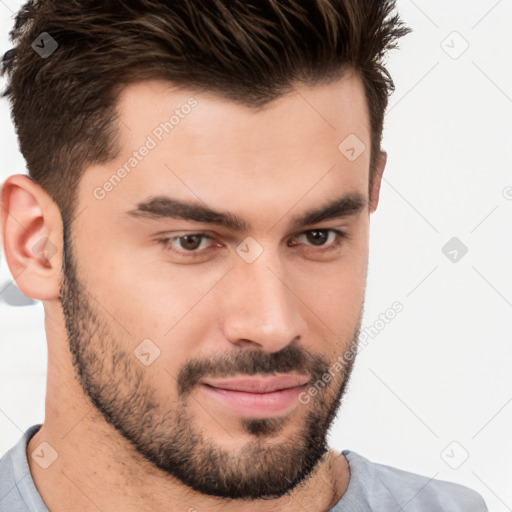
<point x="335" y="292"/>
<point x="335" y="301"/>
<point x="142" y="292"/>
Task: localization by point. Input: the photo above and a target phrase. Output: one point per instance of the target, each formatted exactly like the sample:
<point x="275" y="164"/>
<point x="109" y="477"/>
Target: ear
<point x="31" y="227"/>
<point x="380" y="164"/>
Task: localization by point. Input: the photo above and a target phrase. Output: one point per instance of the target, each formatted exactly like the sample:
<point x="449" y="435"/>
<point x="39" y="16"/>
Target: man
<point x="196" y="223"/>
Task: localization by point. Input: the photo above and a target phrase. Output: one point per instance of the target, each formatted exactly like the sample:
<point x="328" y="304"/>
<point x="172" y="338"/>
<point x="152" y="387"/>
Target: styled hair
<point x="248" y="51"/>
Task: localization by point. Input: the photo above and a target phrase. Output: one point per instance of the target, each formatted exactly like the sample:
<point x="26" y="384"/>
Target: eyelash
<point x="166" y="242"/>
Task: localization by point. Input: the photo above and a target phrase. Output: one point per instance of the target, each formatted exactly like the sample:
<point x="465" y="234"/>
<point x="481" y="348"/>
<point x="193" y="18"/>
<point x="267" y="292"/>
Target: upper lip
<point x="258" y="384"/>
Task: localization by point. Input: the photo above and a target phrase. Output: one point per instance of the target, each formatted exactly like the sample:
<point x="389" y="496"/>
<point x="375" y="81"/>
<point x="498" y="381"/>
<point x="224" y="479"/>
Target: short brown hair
<point x="248" y="51"/>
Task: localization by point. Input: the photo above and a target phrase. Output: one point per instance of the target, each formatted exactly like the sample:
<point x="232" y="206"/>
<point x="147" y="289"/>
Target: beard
<point x="169" y="437"/>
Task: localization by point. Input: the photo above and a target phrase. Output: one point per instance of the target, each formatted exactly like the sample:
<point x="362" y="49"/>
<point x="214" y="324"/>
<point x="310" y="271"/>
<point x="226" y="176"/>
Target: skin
<point x="267" y="167"/>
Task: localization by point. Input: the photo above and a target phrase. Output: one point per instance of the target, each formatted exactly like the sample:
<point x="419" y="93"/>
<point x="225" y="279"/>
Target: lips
<point x="258" y="384"/>
<point x="256" y="397"/>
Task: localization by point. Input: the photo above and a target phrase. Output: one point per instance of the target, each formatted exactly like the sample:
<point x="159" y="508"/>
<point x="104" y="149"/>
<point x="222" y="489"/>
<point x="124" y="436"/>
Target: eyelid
<point x="340" y="236"/>
<point x="214" y="235"/>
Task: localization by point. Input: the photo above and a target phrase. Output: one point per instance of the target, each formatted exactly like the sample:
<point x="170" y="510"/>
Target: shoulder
<point x="17" y="489"/>
<point x="378" y="484"/>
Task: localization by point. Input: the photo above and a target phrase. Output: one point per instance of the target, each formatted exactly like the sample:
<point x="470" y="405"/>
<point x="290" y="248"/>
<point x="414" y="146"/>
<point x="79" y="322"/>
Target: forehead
<point x="200" y="146"/>
<point x="306" y="111"/>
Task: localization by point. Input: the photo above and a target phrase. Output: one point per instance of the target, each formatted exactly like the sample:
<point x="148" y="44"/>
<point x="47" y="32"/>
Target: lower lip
<point x="257" y="405"/>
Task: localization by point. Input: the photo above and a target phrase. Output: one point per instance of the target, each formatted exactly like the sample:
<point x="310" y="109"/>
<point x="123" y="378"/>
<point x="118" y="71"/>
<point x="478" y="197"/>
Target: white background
<point x="434" y="386"/>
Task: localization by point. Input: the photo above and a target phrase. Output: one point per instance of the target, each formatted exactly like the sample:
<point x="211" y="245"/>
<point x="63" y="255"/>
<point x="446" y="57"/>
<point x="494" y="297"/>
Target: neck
<point x="98" y="469"/>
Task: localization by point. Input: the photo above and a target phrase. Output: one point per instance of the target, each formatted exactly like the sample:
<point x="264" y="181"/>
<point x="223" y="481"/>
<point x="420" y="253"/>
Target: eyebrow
<point x="162" y="207"/>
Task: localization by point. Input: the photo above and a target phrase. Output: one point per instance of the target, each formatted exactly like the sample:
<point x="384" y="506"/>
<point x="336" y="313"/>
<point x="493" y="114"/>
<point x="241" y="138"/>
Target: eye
<point x="187" y="243"/>
<point x="190" y="245"/>
<point x="325" y="239"/>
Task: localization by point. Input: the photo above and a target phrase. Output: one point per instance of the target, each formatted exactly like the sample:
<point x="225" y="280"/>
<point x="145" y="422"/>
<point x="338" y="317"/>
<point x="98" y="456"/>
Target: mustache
<point x="290" y="359"/>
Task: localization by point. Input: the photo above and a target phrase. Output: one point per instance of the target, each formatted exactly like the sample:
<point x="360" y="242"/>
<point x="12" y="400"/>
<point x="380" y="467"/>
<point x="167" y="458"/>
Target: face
<point x="215" y="278"/>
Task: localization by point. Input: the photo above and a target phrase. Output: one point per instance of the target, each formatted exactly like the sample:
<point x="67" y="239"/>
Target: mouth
<point x="257" y="396"/>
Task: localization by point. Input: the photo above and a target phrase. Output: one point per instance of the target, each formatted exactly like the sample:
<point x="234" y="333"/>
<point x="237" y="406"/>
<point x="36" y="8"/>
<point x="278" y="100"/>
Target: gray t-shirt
<point x="372" y="487"/>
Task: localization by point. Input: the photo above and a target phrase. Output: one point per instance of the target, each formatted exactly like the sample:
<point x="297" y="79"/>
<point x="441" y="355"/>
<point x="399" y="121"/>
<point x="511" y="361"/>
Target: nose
<point x="260" y="307"/>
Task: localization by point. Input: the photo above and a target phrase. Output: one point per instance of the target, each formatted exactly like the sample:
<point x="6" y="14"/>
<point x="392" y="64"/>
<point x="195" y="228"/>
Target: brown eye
<point x="317" y="237"/>
<point x="190" y="242"/>
<point x="324" y="239"/>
